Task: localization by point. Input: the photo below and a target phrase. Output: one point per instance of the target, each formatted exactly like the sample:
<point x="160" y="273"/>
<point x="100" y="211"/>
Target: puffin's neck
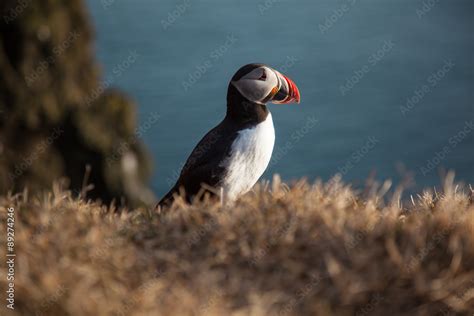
<point x="242" y="110"/>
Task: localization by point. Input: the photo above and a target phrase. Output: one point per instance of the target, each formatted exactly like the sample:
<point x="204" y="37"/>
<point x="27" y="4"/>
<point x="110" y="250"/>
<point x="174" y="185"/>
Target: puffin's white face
<point x="264" y="84"/>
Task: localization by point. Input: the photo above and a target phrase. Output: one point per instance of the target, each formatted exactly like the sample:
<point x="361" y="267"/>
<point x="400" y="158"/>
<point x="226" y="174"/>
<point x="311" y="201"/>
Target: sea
<point x="387" y="86"/>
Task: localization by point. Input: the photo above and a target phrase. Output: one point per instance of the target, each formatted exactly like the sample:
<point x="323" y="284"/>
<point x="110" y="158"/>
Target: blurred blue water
<point x="390" y="83"/>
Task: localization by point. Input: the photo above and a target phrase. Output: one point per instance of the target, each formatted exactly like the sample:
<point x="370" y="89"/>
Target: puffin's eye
<point x="263" y="77"/>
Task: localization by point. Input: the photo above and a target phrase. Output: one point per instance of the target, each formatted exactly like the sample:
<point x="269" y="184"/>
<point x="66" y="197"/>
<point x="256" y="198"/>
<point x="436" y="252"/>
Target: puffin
<point x="232" y="156"/>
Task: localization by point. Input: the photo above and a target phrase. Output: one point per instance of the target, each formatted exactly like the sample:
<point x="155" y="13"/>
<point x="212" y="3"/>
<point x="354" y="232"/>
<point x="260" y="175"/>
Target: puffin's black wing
<point x="204" y="164"/>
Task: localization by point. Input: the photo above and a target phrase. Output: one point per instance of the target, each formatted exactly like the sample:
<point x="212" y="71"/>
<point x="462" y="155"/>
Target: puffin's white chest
<point x="250" y="154"/>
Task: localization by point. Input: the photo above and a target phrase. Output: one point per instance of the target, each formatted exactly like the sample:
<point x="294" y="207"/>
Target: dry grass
<point x="315" y="249"/>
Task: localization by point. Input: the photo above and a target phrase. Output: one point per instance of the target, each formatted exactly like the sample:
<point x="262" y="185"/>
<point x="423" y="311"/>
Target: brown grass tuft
<point x="315" y="249"/>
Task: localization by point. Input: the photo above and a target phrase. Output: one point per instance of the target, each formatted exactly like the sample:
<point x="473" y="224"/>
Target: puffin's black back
<point x="204" y="165"/>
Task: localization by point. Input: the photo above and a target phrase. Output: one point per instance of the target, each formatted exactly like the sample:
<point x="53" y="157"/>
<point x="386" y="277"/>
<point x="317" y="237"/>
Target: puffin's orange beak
<point x="294" y="93"/>
<point x="288" y="91"/>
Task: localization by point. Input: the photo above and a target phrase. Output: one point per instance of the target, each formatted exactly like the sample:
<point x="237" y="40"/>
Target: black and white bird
<point x="233" y="155"/>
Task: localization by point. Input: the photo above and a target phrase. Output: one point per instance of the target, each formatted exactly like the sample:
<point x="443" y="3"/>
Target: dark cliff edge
<point x="57" y="118"/>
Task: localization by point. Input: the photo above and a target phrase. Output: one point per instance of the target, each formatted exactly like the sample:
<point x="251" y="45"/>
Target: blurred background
<point x="360" y="66"/>
<point x="387" y="87"/>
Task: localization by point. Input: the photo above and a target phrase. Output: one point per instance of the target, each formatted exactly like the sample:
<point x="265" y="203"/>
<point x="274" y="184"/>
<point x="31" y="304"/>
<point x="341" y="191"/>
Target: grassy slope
<point x="316" y="249"/>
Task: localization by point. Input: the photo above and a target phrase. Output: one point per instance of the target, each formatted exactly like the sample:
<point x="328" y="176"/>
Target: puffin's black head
<point x="259" y="83"/>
